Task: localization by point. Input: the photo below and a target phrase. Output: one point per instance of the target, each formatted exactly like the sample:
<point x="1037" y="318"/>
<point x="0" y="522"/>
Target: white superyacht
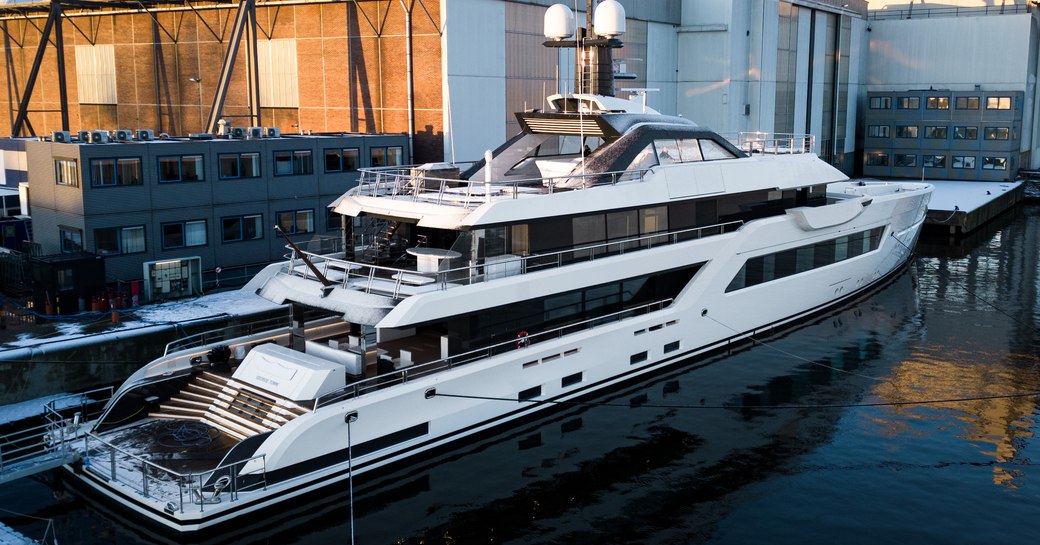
<point x="604" y="242"/>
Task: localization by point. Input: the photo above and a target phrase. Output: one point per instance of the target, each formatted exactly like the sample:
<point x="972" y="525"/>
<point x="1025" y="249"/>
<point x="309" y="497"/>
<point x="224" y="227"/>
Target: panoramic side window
<point x="712" y="150"/>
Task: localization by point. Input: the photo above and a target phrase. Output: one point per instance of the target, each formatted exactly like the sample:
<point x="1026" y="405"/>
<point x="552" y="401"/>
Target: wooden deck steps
<point x="234" y="408"/>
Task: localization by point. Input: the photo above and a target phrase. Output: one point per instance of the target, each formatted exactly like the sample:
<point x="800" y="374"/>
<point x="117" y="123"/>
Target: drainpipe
<point x="411" y="84"/>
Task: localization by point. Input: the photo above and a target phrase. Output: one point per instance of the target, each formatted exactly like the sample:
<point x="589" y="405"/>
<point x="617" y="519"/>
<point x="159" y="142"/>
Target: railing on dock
<point x="46" y="446"/>
<point x="398" y="283"/>
<point x="404" y="375"/>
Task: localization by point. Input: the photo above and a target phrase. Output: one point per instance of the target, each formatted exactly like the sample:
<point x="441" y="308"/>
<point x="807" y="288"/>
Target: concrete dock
<point x="961" y="207"/>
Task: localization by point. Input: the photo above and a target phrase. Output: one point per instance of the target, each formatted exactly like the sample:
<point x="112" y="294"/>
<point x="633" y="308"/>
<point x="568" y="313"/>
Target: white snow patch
<point x="35" y="407"/>
<point x="966" y="196"/>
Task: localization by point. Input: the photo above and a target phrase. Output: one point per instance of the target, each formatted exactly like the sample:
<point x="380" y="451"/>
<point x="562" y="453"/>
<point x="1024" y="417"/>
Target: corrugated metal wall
<point x="96" y="73"/>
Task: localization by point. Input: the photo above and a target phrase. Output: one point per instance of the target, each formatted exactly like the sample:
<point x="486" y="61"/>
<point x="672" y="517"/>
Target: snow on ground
<point x="966" y="196"/>
<point x="235" y="303"/>
<point x="35" y="407"/>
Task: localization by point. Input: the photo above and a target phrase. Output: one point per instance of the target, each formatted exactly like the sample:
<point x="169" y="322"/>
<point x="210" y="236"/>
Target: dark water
<point x="666" y="468"/>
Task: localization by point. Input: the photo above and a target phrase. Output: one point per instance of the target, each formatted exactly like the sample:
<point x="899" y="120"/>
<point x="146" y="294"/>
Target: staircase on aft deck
<point x="230" y="406"/>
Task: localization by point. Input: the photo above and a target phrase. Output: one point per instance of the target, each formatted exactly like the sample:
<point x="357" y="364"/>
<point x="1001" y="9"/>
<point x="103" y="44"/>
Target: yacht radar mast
<point x="594" y="64"/>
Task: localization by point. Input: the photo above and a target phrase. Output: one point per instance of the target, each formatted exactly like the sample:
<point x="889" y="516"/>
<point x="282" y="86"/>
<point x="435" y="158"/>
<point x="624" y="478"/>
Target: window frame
<point x="238" y="165"/>
<point x="117" y="169"/>
<point x="121" y="240"/>
<point x="903" y="131"/>
<point x="180" y="168"/>
<point x="993" y="133"/>
<point x="297" y="165"/>
<point x="879" y="131"/>
<point x="937" y="103"/>
<point x="967" y="101"/>
<point x="385" y="150"/>
<point x="184" y="234"/>
<point x="66" y="171"/>
<point x="908" y="103"/>
<point x="62" y="230"/>
<point x="259" y="219"/>
<point x="996" y="162"/>
<point x="341" y="153"/>
<point x="974" y="130"/>
<point x="1002" y="102"/>
<point x="963" y="161"/>
<point x="937" y="161"/>
<point x="912" y="164"/>
<point x="883" y="103"/>
<point x="872" y="159"/>
<point x="294" y="221"/>
<point x="931" y="130"/>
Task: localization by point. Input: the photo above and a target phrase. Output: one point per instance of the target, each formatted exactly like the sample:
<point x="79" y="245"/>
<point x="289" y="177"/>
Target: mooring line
<point x="937" y="401"/>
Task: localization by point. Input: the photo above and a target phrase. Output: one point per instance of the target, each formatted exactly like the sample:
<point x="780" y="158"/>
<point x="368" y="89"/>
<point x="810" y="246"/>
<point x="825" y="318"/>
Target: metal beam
<point x="23" y="104"/>
<point x="246" y="13"/>
<point x="59" y="48"/>
<point x="252" y="70"/>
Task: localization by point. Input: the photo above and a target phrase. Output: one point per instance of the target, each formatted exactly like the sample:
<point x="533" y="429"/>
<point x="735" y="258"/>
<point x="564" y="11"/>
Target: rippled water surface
<point x="823" y="441"/>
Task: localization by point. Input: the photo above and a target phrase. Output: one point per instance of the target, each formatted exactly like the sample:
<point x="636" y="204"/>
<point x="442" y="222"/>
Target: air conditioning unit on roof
<point x="145" y="135"/>
<point x="256" y="132"/>
<point x="63" y="137"/>
<point x="83" y="136"/>
<point x="98" y="137"/>
<point x="123" y="135"/>
<point x="274" y="132"/>
<point x="237" y="132"/>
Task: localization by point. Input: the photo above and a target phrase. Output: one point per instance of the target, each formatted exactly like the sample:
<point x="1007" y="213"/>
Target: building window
<point x="119" y="240"/>
<point x="111" y="172"/>
<point x="933" y="161"/>
<point x="96" y="74"/>
<point x="996" y="133"/>
<point x="276" y="62"/>
<point x="71" y="239"/>
<point x="878" y="131"/>
<point x="965" y="133"/>
<point x="184" y="168"/>
<point x="906" y="160"/>
<point x="341" y="160"/>
<point x="880" y="103"/>
<point x="66" y="172"/>
<point x="994" y="163"/>
<point x="963" y="162"/>
<point x="967" y="103"/>
<point x="333" y="220"/>
<point x="935" y="132"/>
<point x="908" y="103"/>
<point x="295" y="222"/>
<point x="239" y="165"/>
<point x="877" y="159"/>
<point x="239" y="228"/>
<point x="183" y="234"/>
<point x="938" y="103"/>
<point x="997" y="103"/>
<point x="906" y="131"/>
<point x="390" y="156"/>
<point x="293" y="162"/>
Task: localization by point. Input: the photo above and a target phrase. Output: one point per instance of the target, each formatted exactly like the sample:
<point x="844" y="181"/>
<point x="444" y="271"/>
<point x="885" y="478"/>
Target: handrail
<point x="403" y="375"/>
<point x="193" y="483"/>
<point x="409" y="181"/>
<point x="366" y="273"/>
<point x="226" y="332"/>
<point x="773" y="143"/>
<point x="952" y="11"/>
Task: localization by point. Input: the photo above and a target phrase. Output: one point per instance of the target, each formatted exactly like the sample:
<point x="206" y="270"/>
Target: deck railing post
<point x="112" y="461"/>
<point x="144" y="479"/>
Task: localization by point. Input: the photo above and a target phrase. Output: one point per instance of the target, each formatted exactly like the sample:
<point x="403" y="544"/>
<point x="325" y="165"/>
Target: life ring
<point x="522" y="339"/>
